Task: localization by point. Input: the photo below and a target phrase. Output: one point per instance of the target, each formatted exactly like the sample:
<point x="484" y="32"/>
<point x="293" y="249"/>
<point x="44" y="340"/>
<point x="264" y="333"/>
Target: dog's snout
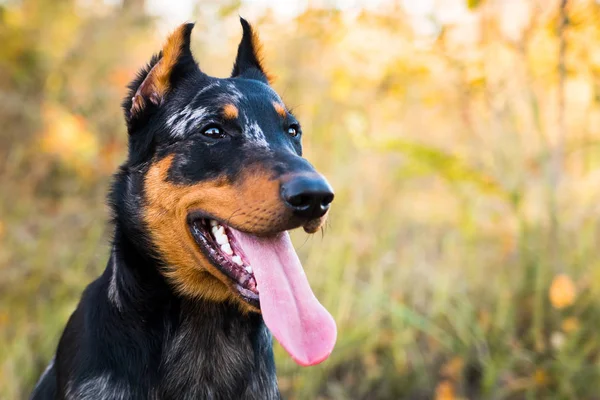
<point x="309" y="196"/>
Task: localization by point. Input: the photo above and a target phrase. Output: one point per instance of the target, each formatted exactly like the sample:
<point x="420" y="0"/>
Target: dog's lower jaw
<point x="214" y="291"/>
<point x="134" y="337"/>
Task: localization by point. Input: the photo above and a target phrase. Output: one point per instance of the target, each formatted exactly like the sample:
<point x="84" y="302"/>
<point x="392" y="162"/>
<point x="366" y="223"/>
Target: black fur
<point x="248" y="63"/>
<point x="149" y="342"/>
<point x="157" y="345"/>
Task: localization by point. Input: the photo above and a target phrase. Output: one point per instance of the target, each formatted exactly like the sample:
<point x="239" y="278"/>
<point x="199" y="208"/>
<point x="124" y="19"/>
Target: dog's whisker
<point x="232" y="215"/>
<point x="305" y="241"/>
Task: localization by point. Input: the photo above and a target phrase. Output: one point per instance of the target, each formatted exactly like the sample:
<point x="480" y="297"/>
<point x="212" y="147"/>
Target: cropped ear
<point x="248" y="63"/>
<point x="153" y="83"/>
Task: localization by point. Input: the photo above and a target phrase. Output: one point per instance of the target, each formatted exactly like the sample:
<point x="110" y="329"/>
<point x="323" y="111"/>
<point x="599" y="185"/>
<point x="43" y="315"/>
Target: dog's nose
<point x="308" y="196"/>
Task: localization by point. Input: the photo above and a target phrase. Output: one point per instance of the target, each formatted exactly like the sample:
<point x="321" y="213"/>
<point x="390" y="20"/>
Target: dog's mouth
<point x="266" y="273"/>
<point x="220" y="246"/>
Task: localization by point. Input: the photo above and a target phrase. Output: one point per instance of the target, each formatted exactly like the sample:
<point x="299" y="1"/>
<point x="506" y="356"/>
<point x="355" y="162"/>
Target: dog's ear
<point x="148" y="91"/>
<point x="248" y="63"/>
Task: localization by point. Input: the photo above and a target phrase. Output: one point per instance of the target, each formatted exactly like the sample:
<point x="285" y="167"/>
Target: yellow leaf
<point x="453" y="368"/>
<point x="570" y="324"/>
<point x="67" y="137"/>
<point x="445" y="391"/>
<point x="3" y="318"/>
<point x="473" y="4"/>
<point x="484" y="319"/>
<point x="541" y="377"/>
<point x="562" y="291"/>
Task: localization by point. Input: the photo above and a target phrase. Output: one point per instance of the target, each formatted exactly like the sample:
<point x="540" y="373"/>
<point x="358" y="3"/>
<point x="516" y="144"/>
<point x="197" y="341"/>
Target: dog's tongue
<point x="289" y="307"/>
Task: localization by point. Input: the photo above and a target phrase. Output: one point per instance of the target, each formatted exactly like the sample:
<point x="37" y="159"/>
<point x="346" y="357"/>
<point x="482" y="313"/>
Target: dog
<point x="201" y="271"/>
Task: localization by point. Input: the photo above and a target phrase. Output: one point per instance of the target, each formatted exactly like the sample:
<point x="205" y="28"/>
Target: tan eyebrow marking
<point x="230" y="111"/>
<point x="280" y="109"/>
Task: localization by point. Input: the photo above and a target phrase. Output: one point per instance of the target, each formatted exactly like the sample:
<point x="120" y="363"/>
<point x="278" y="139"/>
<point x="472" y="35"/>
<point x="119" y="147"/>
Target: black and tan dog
<point x="202" y="270"/>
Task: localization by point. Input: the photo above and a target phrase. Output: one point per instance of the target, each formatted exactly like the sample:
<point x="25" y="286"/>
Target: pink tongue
<point x="290" y="309"/>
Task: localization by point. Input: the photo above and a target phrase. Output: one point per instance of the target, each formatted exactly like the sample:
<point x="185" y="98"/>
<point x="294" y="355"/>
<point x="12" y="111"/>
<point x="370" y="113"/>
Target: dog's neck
<point x="207" y="349"/>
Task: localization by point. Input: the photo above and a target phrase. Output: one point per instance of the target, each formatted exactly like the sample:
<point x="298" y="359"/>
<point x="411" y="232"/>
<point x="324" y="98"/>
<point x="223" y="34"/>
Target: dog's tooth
<point x="221" y="239"/>
<point x="237" y="260"/>
<point x="213" y="222"/>
<point x="226" y="248"/>
<point x="218" y="231"/>
<point x="249" y="269"/>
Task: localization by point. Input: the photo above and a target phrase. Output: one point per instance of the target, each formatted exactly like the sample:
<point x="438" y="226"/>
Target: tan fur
<point x="157" y="83"/>
<point x="258" y="50"/>
<point x="230" y="111"/>
<point x="252" y="206"/>
<point x="280" y="109"/>
<point x="171" y="52"/>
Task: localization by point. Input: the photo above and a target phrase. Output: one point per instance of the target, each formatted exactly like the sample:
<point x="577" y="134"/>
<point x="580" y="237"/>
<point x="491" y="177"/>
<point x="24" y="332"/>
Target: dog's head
<point x="221" y="153"/>
<point x="219" y="163"/>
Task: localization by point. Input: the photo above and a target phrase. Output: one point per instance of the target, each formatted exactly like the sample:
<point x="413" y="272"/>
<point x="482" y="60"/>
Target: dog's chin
<point x="314" y="225"/>
<point x="216" y="241"/>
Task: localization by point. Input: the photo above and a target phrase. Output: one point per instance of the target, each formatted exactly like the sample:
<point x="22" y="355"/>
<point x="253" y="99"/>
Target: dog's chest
<point x="213" y="361"/>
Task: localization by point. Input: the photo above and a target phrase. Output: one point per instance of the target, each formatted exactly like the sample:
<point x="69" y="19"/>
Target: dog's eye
<point x="213" y="132"/>
<point x="293" y="130"/>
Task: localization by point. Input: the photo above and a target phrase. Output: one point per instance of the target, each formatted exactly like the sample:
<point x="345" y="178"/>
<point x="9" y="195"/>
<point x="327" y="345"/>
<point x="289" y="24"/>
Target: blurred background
<point x="461" y="136"/>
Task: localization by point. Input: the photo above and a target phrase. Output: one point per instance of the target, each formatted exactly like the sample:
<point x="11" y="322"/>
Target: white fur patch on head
<point x="182" y="121"/>
<point x="255" y="135"/>
<point x="234" y="93"/>
<point x="231" y="95"/>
